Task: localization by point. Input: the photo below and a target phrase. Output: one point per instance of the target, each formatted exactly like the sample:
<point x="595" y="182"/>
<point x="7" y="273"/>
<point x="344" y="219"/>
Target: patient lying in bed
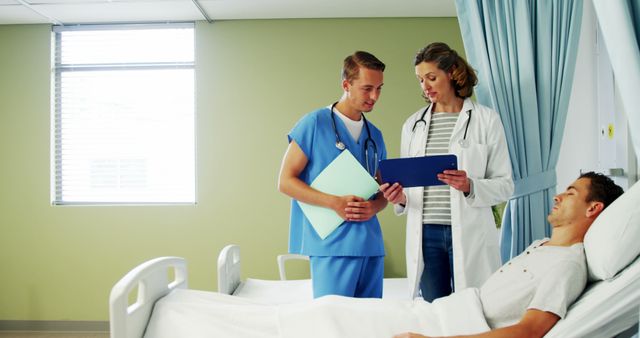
<point x="525" y="298"/>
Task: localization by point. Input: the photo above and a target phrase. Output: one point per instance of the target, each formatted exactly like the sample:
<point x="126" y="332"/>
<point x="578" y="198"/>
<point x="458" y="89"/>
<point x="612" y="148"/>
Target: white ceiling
<point x="133" y="11"/>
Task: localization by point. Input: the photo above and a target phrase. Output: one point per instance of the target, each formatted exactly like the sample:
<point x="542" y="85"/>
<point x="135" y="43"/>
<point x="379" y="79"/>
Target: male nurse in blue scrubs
<point x="349" y="261"/>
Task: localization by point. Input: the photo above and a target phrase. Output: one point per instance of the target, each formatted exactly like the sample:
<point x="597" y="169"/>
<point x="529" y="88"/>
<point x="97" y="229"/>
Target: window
<point x="124" y="114"/>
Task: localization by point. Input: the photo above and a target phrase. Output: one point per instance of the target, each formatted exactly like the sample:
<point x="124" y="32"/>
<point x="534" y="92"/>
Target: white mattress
<point x="290" y="291"/>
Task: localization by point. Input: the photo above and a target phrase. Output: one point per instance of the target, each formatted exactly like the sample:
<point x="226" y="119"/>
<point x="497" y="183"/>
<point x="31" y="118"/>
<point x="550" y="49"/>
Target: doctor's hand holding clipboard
<point x="452" y="241"/>
<point x="457" y="179"/>
<point x="425" y="171"/>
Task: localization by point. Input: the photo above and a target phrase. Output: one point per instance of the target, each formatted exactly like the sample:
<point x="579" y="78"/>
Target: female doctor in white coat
<point x="452" y="241"/>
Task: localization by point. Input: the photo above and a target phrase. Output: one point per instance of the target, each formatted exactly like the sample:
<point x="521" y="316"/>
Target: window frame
<point x="56" y="193"/>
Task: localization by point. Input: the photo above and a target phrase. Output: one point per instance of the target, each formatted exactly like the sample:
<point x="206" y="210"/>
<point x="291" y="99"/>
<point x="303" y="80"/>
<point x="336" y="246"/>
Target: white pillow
<point x="613" y="240"/>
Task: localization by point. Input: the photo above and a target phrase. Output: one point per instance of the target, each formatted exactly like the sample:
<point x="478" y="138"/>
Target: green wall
<point x="255" y="79"/>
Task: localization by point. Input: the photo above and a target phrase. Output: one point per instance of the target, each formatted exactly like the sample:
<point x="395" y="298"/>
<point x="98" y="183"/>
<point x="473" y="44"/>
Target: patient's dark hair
<point x="601" y="188"/>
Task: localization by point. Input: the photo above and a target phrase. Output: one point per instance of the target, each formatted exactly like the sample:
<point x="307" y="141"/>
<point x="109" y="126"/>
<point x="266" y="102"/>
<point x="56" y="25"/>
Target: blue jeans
<point x="437" y="253"/>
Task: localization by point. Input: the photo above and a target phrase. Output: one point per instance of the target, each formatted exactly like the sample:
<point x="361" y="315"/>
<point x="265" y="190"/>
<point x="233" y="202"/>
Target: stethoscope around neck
<point x="463" y="142"/>
<point x="341" y="146"/>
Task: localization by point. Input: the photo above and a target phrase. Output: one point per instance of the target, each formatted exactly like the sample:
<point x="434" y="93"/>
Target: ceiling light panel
<point x="121" y="11"/>
<point x="18" y="14"/>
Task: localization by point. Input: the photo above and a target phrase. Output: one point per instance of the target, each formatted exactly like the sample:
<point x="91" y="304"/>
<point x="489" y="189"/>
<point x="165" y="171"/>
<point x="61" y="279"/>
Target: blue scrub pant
<point x="347" y="276"/>
<point x="437" y="253"/>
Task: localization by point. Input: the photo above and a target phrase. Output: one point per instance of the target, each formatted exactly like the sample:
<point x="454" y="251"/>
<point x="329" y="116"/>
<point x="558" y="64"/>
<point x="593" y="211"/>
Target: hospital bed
<point x="605" y="309"/>
<point x="609" y="305"/>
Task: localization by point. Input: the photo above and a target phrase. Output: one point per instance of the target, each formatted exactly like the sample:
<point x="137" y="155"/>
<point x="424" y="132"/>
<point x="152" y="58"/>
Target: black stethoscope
<point x="463" y="143"/>
<point x="341" y="146"/>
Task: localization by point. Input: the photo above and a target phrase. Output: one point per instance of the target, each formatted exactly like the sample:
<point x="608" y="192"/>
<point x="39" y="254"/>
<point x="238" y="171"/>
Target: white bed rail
<point x="229" y="269"/>
<point x="285" y="257"/>
<point x="152" y="280"/>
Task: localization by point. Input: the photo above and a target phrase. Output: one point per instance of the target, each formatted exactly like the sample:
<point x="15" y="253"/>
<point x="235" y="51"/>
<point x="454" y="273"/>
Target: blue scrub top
<point x="315" y="135"/>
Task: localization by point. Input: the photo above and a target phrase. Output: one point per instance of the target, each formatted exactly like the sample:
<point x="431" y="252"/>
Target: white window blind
<point x="124" y="114"/>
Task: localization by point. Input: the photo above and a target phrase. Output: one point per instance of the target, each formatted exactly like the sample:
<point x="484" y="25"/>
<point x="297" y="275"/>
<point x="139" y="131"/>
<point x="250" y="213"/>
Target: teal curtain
<point x="634" y="9"/>
<point x="525" y="53"/>
<point x="620" y="26"/>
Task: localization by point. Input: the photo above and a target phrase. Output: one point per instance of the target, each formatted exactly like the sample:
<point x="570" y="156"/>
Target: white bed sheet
<point x="603" y="310"/>
<point x="290" y="291"/>
<point x="275" y="291"/>
<point x="190" y="313"/>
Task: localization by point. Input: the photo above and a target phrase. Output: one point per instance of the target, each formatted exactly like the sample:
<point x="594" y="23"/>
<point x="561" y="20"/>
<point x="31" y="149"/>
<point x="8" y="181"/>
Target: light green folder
<point x="343" y="176"/>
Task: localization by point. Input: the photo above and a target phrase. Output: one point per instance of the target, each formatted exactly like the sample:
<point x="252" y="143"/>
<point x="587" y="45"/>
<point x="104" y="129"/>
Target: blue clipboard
<point x="416" y="171"/>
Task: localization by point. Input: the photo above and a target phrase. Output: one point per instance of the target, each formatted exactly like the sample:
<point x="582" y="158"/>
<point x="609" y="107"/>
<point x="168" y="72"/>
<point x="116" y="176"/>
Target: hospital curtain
<point x="524" y="53"/>
<point x="620" y="26"/>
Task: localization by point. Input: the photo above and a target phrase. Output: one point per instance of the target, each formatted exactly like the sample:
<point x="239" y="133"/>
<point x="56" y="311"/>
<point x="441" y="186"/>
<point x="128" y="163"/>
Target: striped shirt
<point x="436" y="202"/>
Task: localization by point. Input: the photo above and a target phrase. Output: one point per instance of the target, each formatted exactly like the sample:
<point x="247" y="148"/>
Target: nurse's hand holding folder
<point x="349" y="207"/>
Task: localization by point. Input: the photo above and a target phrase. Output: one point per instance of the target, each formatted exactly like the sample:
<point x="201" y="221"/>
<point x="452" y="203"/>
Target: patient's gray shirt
<point x="546" y="278"/>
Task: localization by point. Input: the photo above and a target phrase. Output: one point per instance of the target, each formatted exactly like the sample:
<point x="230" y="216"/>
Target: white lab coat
<point x="474" y="234"/>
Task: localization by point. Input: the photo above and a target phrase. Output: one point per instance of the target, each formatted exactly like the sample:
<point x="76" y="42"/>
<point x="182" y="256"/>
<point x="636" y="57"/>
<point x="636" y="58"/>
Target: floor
<point x="24" y="334"/>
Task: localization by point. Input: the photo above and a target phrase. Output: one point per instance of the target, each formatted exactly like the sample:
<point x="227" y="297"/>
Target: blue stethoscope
<point x="368" y="141"/>
<point x="463" y="143"/>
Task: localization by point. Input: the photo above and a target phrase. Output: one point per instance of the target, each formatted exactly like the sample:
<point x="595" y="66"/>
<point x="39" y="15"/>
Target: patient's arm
<point x="534" y="324"/>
